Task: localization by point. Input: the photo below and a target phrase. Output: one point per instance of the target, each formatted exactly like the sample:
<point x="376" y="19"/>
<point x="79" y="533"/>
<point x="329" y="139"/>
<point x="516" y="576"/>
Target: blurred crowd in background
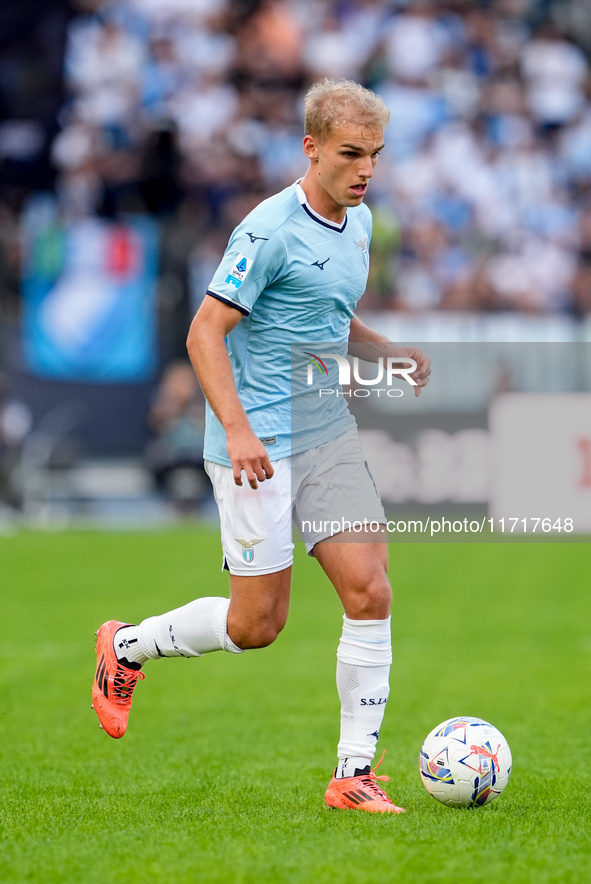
<point x="191" y="112"/>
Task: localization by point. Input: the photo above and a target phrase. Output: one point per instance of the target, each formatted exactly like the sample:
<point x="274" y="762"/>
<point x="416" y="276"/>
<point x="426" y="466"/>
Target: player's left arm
<point x="370" y="345"/>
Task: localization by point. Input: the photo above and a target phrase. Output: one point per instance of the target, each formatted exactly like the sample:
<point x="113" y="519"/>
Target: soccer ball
<point x="465" y="762"/>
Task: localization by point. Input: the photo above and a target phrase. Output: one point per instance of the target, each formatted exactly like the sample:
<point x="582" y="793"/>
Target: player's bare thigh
<point x="358" y="572"/>
<point x="259" y="605"/>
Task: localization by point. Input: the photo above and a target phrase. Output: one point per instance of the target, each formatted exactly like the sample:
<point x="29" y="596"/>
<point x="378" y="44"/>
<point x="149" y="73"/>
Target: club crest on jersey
<point x="362" y="243"/>
<point x="239" y="272"/>
<point x="247" y="547"/>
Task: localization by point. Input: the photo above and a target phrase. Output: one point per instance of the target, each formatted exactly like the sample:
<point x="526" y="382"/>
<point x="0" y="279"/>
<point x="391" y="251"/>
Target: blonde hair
<point x="332" y="102"/>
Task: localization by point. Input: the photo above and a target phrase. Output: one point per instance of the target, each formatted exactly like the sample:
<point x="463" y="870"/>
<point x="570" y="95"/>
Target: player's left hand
<point x="423" y="370"/>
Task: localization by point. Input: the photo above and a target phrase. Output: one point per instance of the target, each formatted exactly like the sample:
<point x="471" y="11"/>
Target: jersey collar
<point x="332" y="225"/>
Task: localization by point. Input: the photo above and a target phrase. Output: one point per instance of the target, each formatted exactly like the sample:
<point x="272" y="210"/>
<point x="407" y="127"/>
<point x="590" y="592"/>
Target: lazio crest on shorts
<point x="247" y="548"/>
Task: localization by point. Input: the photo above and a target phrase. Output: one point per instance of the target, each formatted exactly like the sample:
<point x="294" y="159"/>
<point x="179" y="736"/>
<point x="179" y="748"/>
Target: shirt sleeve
<point x="253" y="259"/>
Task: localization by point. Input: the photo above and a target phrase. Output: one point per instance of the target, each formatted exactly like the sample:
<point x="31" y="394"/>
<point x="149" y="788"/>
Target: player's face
<point x="340" y="168"/>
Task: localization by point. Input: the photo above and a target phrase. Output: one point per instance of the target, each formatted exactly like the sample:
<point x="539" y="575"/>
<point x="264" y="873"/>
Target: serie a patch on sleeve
<point x="240" y="271"/>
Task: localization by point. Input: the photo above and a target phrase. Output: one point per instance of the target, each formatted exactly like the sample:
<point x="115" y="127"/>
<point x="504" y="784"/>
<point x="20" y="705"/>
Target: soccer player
<point x="293" y="273"/>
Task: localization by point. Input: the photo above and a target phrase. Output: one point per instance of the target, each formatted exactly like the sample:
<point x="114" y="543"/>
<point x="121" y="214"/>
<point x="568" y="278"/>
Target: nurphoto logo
<point x="390" y="366"/>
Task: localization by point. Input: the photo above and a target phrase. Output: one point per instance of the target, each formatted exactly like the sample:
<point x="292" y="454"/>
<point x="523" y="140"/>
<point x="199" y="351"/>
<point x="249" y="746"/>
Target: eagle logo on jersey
<point x="362" y="243"/>
<point x="247" y="547"/>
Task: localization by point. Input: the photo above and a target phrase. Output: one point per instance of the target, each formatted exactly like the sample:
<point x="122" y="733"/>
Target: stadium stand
<point x="192" y="112"/>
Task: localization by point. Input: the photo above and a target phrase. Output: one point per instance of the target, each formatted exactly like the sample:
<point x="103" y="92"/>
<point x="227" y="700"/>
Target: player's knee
<point x="264" y="636"/>
<point x="370" y="597"/>
<point x="260" y="634"/>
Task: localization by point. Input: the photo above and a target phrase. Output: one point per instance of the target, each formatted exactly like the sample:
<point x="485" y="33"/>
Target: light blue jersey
<point x="297" y="279"/>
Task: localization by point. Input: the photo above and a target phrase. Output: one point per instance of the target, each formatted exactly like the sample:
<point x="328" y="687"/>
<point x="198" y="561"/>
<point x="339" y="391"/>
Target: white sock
<point x="191" y="631"/>
<point x="127" y="647"/>
<point x="363" y="667"/>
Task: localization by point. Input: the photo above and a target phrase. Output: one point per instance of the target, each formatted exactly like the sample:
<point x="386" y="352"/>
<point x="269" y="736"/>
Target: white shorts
<point x="324" y="491"/>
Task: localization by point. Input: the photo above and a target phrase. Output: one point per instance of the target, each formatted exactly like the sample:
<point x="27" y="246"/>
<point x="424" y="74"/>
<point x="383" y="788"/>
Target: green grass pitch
<point x="221" y="775"/>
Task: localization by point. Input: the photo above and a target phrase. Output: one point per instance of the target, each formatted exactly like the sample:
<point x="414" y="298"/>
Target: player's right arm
<point x="208" y="354"/>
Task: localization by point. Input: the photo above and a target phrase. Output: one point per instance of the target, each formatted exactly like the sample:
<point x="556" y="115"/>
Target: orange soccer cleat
<point x="114" y="683"/>
<point x="360" y="793"/>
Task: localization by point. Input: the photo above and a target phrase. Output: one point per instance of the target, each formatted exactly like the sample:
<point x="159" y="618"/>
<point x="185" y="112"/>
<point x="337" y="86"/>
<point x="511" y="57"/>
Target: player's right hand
<point x="248" y="454"/>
